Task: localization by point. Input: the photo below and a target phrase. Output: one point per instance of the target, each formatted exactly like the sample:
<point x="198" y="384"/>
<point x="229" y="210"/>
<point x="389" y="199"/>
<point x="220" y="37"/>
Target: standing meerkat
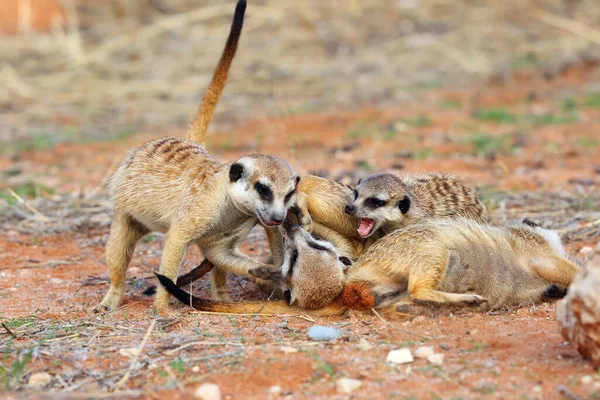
<point x="452" y="261"/>
<point x="173" y="185"/>
<point x="387" y="202"/>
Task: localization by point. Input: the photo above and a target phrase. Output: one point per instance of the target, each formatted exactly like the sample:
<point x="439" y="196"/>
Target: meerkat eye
<point x="263" y="191"/>
<point x="317" y="246"/>
<point x="345" y="260"/>
<point x="293" y="261"/>
<point x="289" y="196"/>
<point x="355" y="194"/>
<point x="374" y="202"/>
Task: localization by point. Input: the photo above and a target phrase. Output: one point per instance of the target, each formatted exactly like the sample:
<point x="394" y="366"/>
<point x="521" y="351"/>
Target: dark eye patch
<point x="355" y="194"/>
<point x="317" y="246"/>
<point x="289" y="195"/>
<point x="345" y="260"/>
<point x="293" y="261"/>
<point x="263" y="191"/>
<point x="374" y="202"/>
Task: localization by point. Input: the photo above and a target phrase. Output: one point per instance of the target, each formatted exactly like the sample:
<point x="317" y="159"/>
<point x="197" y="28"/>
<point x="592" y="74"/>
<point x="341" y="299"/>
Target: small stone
<point x="444" y="346"/>
<point x="424" y="351"/>
<point x="128" y="352"/>
<point x="585" y="380"/>
<point x="364" y="345"/>
<point x="195" y="369"/>
<point x="347" y="385"/>
<point x="275" y="391"/>
<point x="418" y="320"/>
<point x="56" y="281"/>
<point x="585" y="250"/>
<point x="436" y="359"/>
<point x="288" y="349"/>
<point x="323" y="333"/>
<point x="39" y="379"/>
<point x="399" y="356"/>
<point x="208" y="391"/>
<point x="536" y="389"/>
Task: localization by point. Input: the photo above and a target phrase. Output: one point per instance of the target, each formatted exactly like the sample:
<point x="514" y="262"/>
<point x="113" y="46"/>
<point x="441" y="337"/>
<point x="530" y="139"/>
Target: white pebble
<point x="275" y="391"/>
<point x="536" y="389"/>
<point x="208" y="391"/>
<point x="586" y="379"/>
<point x="39" y="379"/>
<point x="323" y="333"/>
<point x="347" y="385"/>
<point x="56" y="281"/>
<point x="363" y="344"/>
<point x="195" y="369"/>
<point x="128" y="352"/>
<point x="288" y="349"/>
<point x="399" y="356"/>
<point x="424" y="351"/>
<point x="585" y="250"/>
<point x="436" y="359"/>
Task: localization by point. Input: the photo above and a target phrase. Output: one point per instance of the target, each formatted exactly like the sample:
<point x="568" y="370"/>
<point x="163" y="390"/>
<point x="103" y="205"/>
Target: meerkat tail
<point x="246" y="307"/>
<point x="204" y="115"/>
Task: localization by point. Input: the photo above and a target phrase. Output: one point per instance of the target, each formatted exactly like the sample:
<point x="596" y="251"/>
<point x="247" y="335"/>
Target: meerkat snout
<point x="350" y="209"/>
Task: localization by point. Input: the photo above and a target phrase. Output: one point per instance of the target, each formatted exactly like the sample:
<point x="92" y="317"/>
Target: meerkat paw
<point x="110" y="302"/>
<point x="221" y="296"/>
<point x="266" y="273"/>
<point x="474" y="299"/>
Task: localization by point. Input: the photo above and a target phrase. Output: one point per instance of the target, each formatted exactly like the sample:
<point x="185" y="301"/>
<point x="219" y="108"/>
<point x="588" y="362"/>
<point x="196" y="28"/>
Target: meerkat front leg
<point x="124" y="235"/>
<point x="233" y="260"/>
<point x="175" y="247"/>
<point x="218" y="285"/>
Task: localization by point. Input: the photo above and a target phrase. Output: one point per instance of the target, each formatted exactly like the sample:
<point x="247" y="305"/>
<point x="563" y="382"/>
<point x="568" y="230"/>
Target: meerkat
<point x="451" y="261"/>
<point x="313" y="272"/>
<point x="173" y="185"/>
<point x="385" y="202"/>
<point x="460" y="261"/>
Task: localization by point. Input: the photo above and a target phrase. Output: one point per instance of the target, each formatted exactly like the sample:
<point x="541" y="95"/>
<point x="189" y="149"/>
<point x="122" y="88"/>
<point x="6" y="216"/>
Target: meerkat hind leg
<point x="124" y="235"/>
<point x="175" y="247"/>
<point x="218" y="285"/>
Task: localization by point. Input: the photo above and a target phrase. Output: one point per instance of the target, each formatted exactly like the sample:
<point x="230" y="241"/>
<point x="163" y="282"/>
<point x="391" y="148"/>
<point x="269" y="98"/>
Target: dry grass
<point x="109" y="71"/>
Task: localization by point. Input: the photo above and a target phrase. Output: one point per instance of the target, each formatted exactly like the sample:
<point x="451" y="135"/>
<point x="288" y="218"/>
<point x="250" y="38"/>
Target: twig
<point x="63" y="338"/>
<point x="397" y="328"/>
<point x="304" y="317"/>
<point x="171" y="352"/>
<point x="136" y="356"/>
<point x="268" y="299"/>
<point x="569" y="25"/>
<point x="9" y="331"/>
<point x="563" y="391"/>
<point x="27" y="205"/>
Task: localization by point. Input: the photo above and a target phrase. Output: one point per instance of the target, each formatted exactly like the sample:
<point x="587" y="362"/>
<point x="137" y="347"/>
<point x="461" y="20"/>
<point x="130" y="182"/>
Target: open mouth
<point x="365" y="228"/>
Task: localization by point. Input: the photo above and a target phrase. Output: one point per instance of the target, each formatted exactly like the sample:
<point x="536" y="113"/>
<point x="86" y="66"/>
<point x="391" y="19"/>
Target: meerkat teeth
<point x="365" y="227"/>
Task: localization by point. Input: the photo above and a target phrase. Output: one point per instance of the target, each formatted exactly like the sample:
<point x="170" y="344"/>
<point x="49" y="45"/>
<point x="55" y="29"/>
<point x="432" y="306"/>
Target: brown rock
<point x="578" y="313"/>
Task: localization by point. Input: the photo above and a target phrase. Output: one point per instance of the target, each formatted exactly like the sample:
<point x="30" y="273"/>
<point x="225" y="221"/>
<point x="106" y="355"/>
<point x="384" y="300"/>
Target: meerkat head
<point x="264" y="186"/>
<point x="380" y="201"/>
<point x="313" y="269"/>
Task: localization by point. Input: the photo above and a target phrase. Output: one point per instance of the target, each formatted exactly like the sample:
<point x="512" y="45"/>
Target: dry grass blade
<point x="569" y="25"/>
<point x="304" y="317"/>
<point x="137" y="355"/>
<point x="171" y="352"/>
<point x="398" y="328"/>
<point x="28" y="206"/>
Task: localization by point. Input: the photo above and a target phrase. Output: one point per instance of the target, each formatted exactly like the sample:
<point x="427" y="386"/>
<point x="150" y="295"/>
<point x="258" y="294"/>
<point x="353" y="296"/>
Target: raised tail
<point x="247" y="307"/>
<point x="204" y="115"/>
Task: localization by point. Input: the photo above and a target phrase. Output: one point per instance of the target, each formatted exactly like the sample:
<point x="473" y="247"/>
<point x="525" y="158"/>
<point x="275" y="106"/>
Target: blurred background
<point x="503" y="93"/>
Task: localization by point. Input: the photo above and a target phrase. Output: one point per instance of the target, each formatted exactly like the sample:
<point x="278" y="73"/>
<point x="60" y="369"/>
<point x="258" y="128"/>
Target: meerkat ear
<point x="235" y="172"/>
<point x="345" y="261"/>
<point x="404" y="205"/>
<point x="359" y="181"/>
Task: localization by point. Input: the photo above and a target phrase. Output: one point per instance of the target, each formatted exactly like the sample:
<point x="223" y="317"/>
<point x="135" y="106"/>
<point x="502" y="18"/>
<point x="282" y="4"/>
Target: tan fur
<point x="442" y="261"/>
<point x="197" y="131"/>
<point x="456" y="261"/>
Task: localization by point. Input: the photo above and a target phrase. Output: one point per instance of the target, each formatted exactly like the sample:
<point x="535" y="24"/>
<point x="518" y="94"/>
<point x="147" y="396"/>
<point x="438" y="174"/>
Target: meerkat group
<point x="389" y="241"/>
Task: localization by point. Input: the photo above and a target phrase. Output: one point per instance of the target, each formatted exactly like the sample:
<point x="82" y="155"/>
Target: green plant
<point x="592" y="100"/>
<point x="498" y="115"/>
<point x="485" y="144"/>
<point x="11" y="372"/>
<point x="419" y="121"/>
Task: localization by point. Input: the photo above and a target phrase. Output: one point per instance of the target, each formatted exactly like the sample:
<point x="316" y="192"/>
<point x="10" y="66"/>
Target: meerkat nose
<point x="350" y="209"/>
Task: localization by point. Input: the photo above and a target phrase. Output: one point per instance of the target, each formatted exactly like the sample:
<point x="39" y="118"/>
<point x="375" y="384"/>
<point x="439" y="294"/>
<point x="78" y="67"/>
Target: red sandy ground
<point x="511" y="354"/>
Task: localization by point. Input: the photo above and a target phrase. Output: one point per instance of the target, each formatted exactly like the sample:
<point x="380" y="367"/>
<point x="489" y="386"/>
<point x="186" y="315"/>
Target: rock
<point x="399" y="356"/>
<point x="208" y="391"/>
<point x="436" y="359"/>
<point x="578" y="314"/>
<point x="364" y="345"/>
<point x="323" y="333"/>
<point x="39" y="379"/>
<point x="585" y="250"/>
<point x="275" y="391"/>
<point x="586" y="380"/>
<point x="128" y="352"/>
<point x="424" y="351"/>
<point x="195" y="369"/>
<point x="288" y="349"/>
<point x="347" y="385"/>
<point x="56" y="281"/>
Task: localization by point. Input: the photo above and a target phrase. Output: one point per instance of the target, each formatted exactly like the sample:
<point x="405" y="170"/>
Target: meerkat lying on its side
<point x="443" y="261"/>
<point x="313" y="272"/>
<point x="387" y="202"/>
<point x="460" y="261"/>
<point x="173" y="185"/>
